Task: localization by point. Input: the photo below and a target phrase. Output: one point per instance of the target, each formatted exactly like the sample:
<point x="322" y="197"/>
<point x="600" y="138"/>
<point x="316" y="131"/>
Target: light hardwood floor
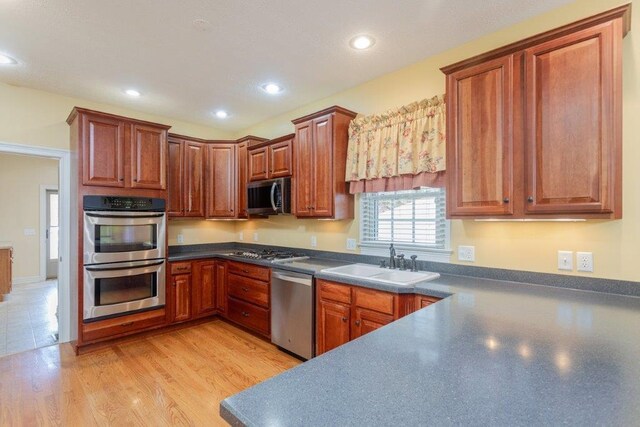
<point x="174" y="378"/>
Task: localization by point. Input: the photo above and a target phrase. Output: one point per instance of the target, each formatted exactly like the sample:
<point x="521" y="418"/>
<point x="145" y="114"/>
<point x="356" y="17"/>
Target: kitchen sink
<point x="382" y="275"/>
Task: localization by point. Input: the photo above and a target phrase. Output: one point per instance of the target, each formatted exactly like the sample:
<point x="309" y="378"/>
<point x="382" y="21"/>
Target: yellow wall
<point x="530" y="246"/>
<point x="21" y="178"/>
<point x="33" y="117"/>
<point x="200" y="231"/>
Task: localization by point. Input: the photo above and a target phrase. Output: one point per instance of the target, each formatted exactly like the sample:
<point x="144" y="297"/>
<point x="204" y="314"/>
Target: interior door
<point x="52" y="233"/>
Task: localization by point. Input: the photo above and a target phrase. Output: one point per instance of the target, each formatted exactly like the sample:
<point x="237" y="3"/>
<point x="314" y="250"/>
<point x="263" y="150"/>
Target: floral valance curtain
<point x="398" y="150"/>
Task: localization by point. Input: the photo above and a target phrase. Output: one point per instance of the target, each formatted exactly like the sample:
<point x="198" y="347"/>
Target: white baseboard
<point x="27" y="279"/>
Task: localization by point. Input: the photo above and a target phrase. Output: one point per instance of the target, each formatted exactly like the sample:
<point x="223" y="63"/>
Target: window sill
<point x="424" y="254"/>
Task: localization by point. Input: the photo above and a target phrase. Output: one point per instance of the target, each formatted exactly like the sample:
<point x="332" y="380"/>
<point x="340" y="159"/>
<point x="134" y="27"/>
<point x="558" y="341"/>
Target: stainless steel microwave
<point x="269" y="197"/>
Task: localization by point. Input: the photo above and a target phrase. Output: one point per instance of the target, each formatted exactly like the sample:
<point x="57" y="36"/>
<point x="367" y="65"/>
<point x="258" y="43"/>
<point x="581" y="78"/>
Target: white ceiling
<point x="93" y="49"/>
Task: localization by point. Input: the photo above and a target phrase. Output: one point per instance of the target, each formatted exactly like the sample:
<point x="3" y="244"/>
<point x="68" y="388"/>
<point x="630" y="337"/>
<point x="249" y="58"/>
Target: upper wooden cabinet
<point x="319" y="158"/>
<point x="119" y="152"/>
<point x="186" y="177"/>
<point x="221" y="181"/>
<point x="534" y="128"/>
<point x="243" y="171"/>
<point x="271" y="159"/>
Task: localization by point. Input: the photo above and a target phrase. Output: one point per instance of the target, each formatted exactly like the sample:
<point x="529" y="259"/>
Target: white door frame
<point x="65" y="312"/>
<point x="43" y="228"/>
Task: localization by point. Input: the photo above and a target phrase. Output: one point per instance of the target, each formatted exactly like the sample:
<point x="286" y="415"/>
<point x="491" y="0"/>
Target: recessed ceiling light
<point x="221" y="114"/>
<point x="362" y="42"/>
<point x="7" y="60"/>
<point x="132" y="93"/>
<point x="271" y="88"/>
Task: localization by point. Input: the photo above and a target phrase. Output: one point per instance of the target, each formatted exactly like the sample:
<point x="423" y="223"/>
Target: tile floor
<point x="28" y="317"/>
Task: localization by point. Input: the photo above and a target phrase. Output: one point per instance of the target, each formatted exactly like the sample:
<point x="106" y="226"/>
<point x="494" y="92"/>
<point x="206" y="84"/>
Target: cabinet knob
<point x="506" y="200"/>
<point x="245" y="289"/>
<point x="126" y="324"/>
<point x="530" y="199"/>
<point x="344" y="319"/>
<point x="245" y="271"/>
<point x="357" y="323"/>
<point x="121" y="179"/>
<point x="135" y="179"/>
<point x="245" y="314"/>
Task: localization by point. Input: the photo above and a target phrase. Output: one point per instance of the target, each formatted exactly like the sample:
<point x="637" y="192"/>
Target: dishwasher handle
<point x="306" y="280"/>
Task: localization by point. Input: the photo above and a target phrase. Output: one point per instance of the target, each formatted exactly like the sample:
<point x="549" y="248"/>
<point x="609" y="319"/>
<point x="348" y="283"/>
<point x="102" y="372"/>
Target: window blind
<point x="413" y="218"/>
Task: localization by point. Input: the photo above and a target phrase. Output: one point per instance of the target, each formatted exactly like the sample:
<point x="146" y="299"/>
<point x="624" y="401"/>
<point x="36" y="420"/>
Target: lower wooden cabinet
<point x="6" y="259"/>
<point x="204" y="291"/>
<point x="196" y="289"/>
<point x="423" y="301"/>
<point x="249" y="296"/>
<point x="344" y="313"/>
<point x="123" y="325"/>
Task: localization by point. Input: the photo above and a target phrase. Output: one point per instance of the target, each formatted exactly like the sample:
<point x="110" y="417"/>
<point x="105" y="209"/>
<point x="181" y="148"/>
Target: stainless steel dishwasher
<point x="292" y="312"/>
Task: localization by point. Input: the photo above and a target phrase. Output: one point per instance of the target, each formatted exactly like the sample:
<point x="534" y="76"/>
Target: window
<point x="413" y="220"/>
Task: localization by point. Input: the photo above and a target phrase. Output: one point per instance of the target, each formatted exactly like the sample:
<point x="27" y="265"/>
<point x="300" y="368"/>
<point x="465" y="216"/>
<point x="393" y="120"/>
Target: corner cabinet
<point x="243" y="174"/>
<point x="186" y="193"/>
<point x="221" y="181"/>
<point x="119" y="152"/>
<point x="534" y="128"/>
<point x="320" y="152"/>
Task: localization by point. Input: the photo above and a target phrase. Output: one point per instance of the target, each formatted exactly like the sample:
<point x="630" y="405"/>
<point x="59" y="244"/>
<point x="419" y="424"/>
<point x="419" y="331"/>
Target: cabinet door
<point x="332" y="325"/>
<point x="181" y="297"/>
<point x="258" y="164"/>
<point x="221" y="287"/>
<point x="194" y="179"/>
<point x="365" y="321"/>
<point x="242" y="163"/>
<point x="175" y="195"/>
<point x="322" y="199"/>
<point x="480" y="139"/>
<point x="280" y="159"/>
<point x="303" y="176"/>
<point x="221" y="181"/>
<point x="148" y="157"/>
<point x="204" y="288"/>
<point x="423" y="301"/>
<point x="570" y="115"/>
<point x="103" y="151"/>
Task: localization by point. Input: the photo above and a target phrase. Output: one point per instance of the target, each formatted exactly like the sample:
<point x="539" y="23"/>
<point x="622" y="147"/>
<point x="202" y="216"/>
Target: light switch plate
<point x="351" y="244"/>
<point x="180" y="238"/>
<point x="565" y="260"/>
<point x="255" y="237"/>
<point x="29" y="231"/>
<point x="241" y="235"/>
<point x="467" y="253"/>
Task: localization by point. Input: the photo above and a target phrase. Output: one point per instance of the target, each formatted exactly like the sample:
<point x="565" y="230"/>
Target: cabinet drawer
<point x="247" y="289"/>
<point x="249" y="270"/>
<point x="180" y="267"/>
<point x="379" y="301"/>
<point x="249" y="315"/>
<point x="122" y="325"/>
<point x="424" y="300"/>
<point x="334" y="291"/>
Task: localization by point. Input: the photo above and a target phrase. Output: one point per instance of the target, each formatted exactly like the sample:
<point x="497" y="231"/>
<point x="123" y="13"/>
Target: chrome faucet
<point x="414" y="264"/>
<point x="392" y="257"/>
<point x="402" y="264"/>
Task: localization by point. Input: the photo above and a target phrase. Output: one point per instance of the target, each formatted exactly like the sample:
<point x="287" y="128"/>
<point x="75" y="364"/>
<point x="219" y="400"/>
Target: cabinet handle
<point x="121" y="179"/>
<point x="135" y="179"/>
<point x="245" y="314"/>
<point x="506" y="200"/>
<point x="245" y="271"/>
<point x="357" y="323"/>
<point x="245" y="289"/>
<point x="344" y="319"/>
<point x="126" y="324"/>
<point x="530" y="199"/>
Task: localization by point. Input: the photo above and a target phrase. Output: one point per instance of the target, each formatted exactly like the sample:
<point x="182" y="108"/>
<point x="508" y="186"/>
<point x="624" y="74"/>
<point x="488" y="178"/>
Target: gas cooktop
<point x="271" y="255"/>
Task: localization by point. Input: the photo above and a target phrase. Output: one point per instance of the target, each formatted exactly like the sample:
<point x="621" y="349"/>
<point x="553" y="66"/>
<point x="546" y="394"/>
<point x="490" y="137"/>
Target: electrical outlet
<point x="29" y="231"/>
<point x="314" y="241"/>
<point x="467" y="253"/>
<point x="585" y="261"/>
<point x="351" y="244"/>
<point x="241" y="236"/>
<point x="180" y="238"/>
<point x="565" y="260"/>
<point x="255" y="237"/>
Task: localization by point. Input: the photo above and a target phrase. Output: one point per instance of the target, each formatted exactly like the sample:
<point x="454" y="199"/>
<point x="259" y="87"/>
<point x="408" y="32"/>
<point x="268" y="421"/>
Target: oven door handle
<point x="126" y="267"/>
<point x="95" y="215"/>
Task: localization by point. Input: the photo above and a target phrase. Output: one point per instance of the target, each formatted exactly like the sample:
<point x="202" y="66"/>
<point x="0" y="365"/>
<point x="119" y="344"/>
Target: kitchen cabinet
<point x="6" y="261"/>
<point x="185" y="196"/>
<point x="534" y="128"/>
<point x="180" y="292"/>
<point x="344" y="312"/>
<point x="221" y="181"/>
<point x="221" y="287"/>
<point x="319" y="158"/>
<point x="121" y="326"/>
<point x="249" y="296"/>
<point x="243" y="166"/>
<point x="204" y="289"/>
<point x="272" y="159"/>
<point x="423" y="301"/>
<point x="120" y="152"/>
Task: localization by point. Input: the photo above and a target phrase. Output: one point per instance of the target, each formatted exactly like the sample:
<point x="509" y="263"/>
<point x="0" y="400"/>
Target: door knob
<point x="530" y="199"/>
<point x="344" y="319"/>
<point x="506" y="200"/>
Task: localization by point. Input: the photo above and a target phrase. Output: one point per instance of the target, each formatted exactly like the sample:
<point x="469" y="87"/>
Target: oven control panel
<point x="114" y="203"/>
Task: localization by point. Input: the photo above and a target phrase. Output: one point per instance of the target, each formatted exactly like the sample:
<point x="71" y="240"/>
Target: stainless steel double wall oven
<point x="124" y="255"/>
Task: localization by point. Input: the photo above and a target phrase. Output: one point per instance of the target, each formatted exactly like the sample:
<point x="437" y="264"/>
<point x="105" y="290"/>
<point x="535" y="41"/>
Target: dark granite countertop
<point x="492" y="353"/>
